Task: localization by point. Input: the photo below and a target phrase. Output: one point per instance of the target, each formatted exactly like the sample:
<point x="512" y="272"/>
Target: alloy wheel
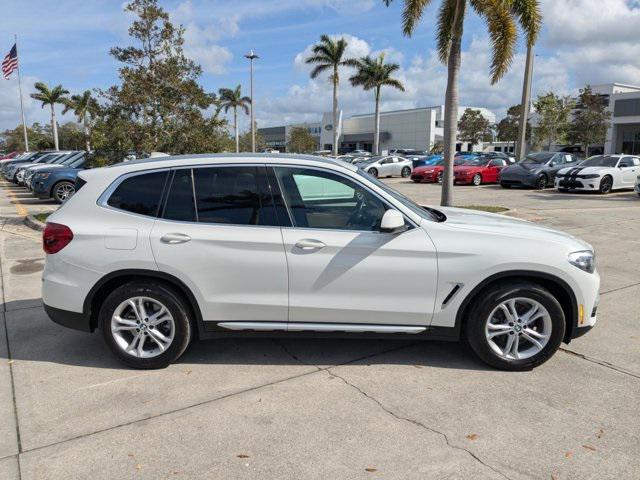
<point x="477" y="179"/>
<point x="605" y="185"/>
<point x="439" y="177"/>
<point x="518" y="328"/>
<point x="142" y="327"/>
<point x="64" y="191"/>
<point x="406" y="171"/>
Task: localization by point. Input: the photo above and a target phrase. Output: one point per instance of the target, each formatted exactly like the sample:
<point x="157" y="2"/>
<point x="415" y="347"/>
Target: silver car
<point x="386" y="166"/>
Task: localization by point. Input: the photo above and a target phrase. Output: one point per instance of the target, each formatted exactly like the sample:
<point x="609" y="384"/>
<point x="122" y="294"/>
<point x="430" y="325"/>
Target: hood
<point x="525" y="166"/>
<point x="583" y="170"/>
<point x="48" y="165"/>
<point x="475" y="221"/>
<point x="427" y="168"/>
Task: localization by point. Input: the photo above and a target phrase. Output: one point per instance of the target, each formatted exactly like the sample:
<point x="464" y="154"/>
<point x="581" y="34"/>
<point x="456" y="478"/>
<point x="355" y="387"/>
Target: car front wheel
<point x="541" y="182"/>
<point x="606" y="185"/>
<point x="406" y="171"/>
<point x="477" y="179"/>
<point x="515" y="326"/>
<point x="145" y="324"/>
<point x="373" y="172"/>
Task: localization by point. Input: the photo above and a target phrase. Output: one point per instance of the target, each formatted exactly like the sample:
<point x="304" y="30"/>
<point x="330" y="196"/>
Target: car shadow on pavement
<point x="33" y="337"/>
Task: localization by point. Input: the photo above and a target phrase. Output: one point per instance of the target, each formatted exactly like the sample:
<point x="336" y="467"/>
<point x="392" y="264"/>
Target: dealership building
<point x="416" y="128"/>
<point x="623" y="135"/>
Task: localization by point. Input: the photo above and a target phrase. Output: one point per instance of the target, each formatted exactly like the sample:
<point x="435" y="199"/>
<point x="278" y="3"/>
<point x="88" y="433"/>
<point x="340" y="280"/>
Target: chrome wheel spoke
<point x="159" y="338"/>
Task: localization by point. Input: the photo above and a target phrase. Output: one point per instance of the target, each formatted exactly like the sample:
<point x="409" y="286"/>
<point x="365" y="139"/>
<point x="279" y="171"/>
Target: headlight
<point x="584" y="260"/>
<point x="42" y="176"/>
<point x="591" y="175"/>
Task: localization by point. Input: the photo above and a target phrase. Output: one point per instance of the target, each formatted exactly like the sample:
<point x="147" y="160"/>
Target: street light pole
<point x="524" y="108"/>
<point x="252" y="56"/>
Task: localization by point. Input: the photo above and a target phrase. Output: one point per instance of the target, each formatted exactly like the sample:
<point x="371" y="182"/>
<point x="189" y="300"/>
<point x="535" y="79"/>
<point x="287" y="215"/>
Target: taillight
<point x="55" y="237"/>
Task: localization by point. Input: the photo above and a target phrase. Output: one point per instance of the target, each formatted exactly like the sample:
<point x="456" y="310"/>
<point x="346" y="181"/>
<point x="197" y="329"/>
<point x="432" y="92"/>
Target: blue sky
<point x="68" y="42"/>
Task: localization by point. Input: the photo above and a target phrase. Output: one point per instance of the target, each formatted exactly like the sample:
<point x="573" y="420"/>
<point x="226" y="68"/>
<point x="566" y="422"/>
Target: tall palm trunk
<point x="451" y="103"/>
<point x="54" y="127"/>
<point x="335" y="111"/>
<point x="235" y="126"/>
<point x="87" y="138"/>
<point x="376" y="134"/>
<point x="450" y="122"/>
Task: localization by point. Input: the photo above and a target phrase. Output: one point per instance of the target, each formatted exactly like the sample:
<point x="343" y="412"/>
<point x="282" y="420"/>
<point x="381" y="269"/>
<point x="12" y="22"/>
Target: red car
<point x="479" y="170"/>
<point x="431" y="173"/>
<point x="9" y="156"/>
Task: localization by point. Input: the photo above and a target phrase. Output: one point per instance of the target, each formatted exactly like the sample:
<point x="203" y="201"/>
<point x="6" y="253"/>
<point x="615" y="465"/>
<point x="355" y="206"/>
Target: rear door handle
<point x="310" y="244"/>
<point x="174" y="238"/>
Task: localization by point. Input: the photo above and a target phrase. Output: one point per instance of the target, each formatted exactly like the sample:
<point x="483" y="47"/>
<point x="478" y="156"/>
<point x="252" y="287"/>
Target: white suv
<point x="154" y="253"/>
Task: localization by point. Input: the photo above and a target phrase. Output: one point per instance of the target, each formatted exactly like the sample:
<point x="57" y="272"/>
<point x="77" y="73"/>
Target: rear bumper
<point x="66" y="318"/>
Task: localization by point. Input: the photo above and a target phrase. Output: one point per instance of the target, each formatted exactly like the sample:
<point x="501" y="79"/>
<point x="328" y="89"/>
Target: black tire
<point x="171" y="299"/>
<point x="373" y="172"/>
<point x="541" y="182"/>
<point x="476" y="180"/>
<point x="57" y="191"/>
<point x="505" y="185"/>
<point x="479" y="311"/>
<point x="439" y="177"/>
<point x="405" y="172"/>
<point x="606" y="184"/>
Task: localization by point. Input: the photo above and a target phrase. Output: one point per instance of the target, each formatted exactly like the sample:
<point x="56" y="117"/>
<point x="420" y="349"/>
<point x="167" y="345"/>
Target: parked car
<point x="157" y="253"/>
<point x="24" y="173"/>
<point x="636" y="187"/>
<point x="602" y="173"/>
<point x="56" y="183"/>
<point x="25" y="157"/>
<point x="405" y="152"/>
<point x="432" y="173"/>
<point x="506" y="156"/>
<point x="13" y="167"/>
<point x="537" y="170"/>
<point x="10" y="155"/>
<point x="420" y="161"/>
<point x="386" y="166"/>
<point x="479" y="170"/>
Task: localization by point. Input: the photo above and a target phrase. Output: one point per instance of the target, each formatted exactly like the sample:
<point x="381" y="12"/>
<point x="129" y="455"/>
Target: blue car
<point x="423" y="160"/>
<point x="56" y="183"/>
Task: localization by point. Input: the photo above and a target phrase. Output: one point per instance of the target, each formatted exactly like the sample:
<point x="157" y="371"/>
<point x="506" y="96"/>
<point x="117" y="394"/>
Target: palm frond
<point x="529" y="17"/>
<point x="319" y="69"/>
<point x="412" y="13"/>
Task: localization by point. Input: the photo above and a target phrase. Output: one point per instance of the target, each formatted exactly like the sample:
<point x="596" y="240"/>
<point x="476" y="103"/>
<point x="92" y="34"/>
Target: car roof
<point x="177" y="160"/>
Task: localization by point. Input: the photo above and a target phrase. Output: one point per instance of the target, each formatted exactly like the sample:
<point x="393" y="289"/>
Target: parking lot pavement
<point x="327" y="409"/>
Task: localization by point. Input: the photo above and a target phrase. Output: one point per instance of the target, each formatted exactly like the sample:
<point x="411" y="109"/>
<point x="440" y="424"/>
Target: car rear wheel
<point x="146" y="325"/>
<point x="606" y="184"/>
<point x="373" y="172"/>
<point x="439" y="177"/>
<point x="477" y="179"/>
<point x="62" y="191"/>
<point x="515" y="326"/>
<point x="406" y="171"/>
<point x="541" y="182"/>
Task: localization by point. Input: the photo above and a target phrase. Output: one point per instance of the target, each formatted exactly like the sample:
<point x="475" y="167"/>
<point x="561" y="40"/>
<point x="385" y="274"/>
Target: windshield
<point x="540" y="157"/>
<point x="368" y="160"/>
<point x="407" y="202"/>
<point x="600" y="161"/>
<point x="45" y="158"/>
<point x="77" y="162"/>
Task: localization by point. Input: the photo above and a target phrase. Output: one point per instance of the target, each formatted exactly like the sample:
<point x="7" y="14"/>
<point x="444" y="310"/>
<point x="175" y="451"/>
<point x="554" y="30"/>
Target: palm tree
<point x="51" y="97"/>
<point x="84" y="107"/>
<point x="373" y="74"/>
<point x="328" y="55"/>
<point x="501" y="17"/>
<point x="234" y="99"/>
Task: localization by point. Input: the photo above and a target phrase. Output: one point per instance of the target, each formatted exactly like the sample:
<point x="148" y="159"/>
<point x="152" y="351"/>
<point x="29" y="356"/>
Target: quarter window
<point x="320" y="199"/>
<point x="139" y="194"/>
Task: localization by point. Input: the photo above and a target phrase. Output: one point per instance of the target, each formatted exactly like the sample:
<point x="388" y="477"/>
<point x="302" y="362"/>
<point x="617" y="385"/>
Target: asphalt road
<point x="291" y="409"/>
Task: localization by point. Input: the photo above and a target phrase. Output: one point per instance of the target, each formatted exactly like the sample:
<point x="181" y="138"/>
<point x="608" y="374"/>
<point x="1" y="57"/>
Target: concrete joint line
<point x="418" y="424"/>
<point x="602" y="363"/>
<point x="620" y="288"/>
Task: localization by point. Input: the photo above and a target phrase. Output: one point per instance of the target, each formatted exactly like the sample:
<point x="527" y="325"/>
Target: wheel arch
<point x="558" y="287"/>
<point x="113" y="280"/>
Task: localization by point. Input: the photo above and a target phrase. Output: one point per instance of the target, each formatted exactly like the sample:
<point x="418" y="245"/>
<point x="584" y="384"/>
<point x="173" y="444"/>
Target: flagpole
<point x="24" y="123"/>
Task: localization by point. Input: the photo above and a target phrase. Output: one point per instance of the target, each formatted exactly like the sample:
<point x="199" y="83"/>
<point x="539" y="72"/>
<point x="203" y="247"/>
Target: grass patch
<point x="42" y="217"/>
<point x="485" y="208"/>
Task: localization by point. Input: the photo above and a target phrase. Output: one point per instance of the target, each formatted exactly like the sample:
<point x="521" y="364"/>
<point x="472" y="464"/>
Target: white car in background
<point x="636" y="187"/>
<point x="386" y="166"/>
<point x="602" y="173"/>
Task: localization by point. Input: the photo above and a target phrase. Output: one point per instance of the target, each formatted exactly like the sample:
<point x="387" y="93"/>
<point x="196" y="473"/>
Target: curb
<point x="33" y="223"/>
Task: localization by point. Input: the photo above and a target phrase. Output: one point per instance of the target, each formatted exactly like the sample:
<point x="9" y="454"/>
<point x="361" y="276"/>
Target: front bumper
<point x="577" y="183"/>
<point x="424" y="177"/>
<point x="525" y="180"/>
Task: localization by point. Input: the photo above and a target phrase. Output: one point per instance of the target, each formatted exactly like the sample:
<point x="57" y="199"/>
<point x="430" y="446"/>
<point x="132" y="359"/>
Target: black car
<point x="537" y="170"/>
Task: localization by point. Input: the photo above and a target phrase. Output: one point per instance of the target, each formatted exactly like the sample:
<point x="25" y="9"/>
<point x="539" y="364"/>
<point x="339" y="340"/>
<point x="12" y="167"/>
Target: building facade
<point x="623" y="135"/>
<point x="417" y="128"/>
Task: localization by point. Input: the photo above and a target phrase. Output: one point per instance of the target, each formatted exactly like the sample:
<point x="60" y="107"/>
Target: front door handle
<point x="174" y="238"/>
<point x="310" y="244"/>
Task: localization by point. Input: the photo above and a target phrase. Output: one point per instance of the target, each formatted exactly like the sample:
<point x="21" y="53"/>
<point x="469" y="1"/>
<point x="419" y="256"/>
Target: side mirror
<point x="393" y="222"/>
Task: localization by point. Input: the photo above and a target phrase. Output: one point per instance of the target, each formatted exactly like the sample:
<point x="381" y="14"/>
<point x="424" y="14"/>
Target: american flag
<point x="10" y="62"/>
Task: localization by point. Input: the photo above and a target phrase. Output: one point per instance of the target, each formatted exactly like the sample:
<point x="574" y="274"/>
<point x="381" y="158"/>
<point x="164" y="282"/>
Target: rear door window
<point x="180" y="204"/>
<point x="139" y="194"/>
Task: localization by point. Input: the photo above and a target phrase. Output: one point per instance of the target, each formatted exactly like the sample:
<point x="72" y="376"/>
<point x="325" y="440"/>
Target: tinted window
<point x="320" y="199"/>
<point x="180" y="204"/>
<point x="230" y="195"/>
<point x="139" y="194"/>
